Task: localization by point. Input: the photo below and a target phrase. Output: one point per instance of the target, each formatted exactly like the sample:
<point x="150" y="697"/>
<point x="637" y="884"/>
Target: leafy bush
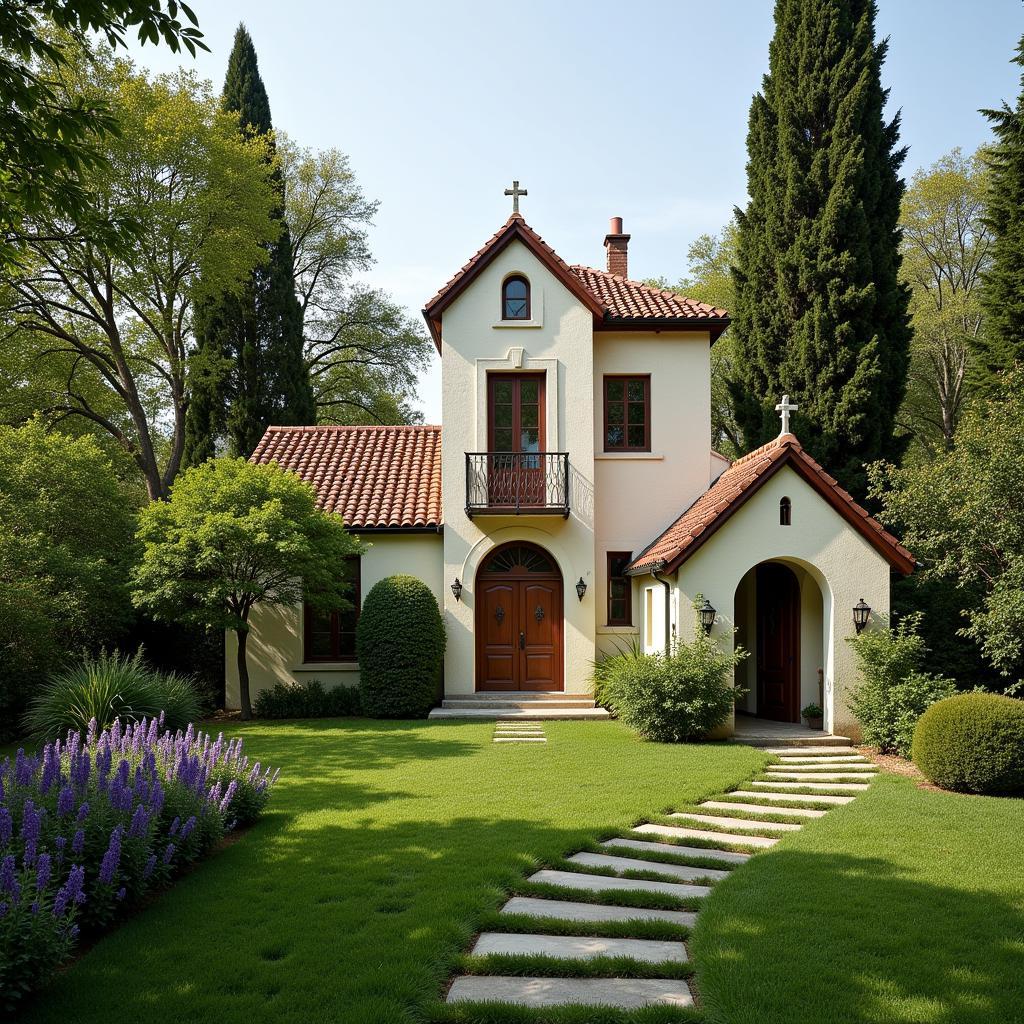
<point x="107" y="688"/>
<point x="894" y="692"/>
<point x="308" y="700"/>
<point x="972" y="743"/>
<point x="89" y="826"/>
<point x="400" y="644"/>
<point x="603" y="671"/>
<point x="675" y="697"/>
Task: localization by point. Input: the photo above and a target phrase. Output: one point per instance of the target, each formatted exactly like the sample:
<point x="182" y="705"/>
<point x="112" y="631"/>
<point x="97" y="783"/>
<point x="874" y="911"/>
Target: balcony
<point x="517" y="483"/>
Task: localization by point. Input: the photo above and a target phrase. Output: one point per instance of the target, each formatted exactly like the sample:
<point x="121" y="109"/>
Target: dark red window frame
<point x="626" y="380"/>
<point x="341" y="625"/>
<point x="514" y="279"/>
<point x="620" y="592"/>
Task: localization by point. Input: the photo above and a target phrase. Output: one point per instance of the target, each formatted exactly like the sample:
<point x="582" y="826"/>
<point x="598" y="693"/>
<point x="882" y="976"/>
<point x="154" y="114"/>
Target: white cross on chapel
<point x="786" y="407"/>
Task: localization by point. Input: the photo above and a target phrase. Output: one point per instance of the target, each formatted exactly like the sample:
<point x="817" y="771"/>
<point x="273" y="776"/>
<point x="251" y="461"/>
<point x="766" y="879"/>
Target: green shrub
<point x="894" y="692"/>
<point x="972" y="743"/>
<point x="604" y="670"/>
<point x="307" y="700"/>
<point x="675" y="697"/>
<point x="400" y="643"/>
<point x="109" y="687"/>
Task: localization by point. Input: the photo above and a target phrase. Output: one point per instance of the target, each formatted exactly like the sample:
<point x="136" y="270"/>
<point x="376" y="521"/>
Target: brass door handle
<point x="522" y="641"/>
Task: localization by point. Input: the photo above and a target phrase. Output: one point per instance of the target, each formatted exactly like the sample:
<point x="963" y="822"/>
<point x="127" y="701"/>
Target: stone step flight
<point x="669" y="860"/>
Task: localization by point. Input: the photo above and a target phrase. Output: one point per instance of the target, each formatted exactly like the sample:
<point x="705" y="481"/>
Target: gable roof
<point x="616" y="303"/>
<point x="739" y="483"/>
<point x="375" y="478"/>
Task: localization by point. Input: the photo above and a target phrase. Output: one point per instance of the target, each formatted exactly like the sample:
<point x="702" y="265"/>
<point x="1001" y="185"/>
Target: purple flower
<point x="42" y="872"/>
<point x="70" y="892"/>
<point x="150" y="866"/>
<point x="112" y="858"/>
<point x="65" y="801"/>
<point x="175" y="825"/>
<point x="3" y="908"/>
<point x="60" y="843"/>
<point x="6" y="826"/>
<point x="83" y="813"/>
<point x="78" y="842"/>
<point x="168" y="853"/>
<point x="140" y="822"/>
<point x="9" y="879"/>
<point x="121" y="893"/>
<point x="187" y="828"/>
<point x="228" y="796"/>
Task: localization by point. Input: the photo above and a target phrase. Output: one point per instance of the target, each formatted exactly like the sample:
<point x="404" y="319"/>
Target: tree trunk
<point x="243" y="675"/>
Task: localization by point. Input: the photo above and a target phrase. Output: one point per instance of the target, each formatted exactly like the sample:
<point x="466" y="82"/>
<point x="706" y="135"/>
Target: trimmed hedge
<point x="972" y="743"/>
<point x="400" y="643"/>
<point x="308" y="700"/>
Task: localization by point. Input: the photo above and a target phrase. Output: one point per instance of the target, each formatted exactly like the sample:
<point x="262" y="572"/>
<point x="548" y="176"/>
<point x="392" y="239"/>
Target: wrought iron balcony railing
<point x="517" y="483"/>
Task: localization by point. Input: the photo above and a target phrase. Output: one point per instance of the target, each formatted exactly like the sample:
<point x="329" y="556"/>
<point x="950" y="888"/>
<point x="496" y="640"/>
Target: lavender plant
<point x="90" y="824"/>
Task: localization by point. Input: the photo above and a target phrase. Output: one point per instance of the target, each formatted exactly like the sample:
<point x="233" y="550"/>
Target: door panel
<point x="778" y="643"/>
<point x="540" y="621"/>
<point x="515" y="430"/>
<point x="497" y="637"/>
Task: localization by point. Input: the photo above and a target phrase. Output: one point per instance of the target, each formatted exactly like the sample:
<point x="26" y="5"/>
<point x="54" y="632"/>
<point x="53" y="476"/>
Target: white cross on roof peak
<point x="785" y="407"/>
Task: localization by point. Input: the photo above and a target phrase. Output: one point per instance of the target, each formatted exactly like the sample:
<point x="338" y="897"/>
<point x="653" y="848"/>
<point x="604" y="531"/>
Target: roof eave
<point x="715" y="326"/>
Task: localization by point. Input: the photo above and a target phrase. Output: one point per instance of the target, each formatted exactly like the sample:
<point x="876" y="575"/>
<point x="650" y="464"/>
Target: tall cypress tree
<point x="1002" y="343"/>
<point x="820" y="312"/>
<point x="249" y="370"/>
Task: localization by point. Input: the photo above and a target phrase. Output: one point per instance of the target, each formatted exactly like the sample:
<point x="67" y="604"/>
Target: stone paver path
<point x="519" y="732"/>
<point x="596" y="888"/>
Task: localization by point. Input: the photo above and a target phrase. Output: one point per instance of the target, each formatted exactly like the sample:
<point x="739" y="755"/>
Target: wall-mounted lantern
<point x="581" y="588"/>
<point x="707" y="613"/>
<point x="457" y="589"/>
<point x="861" y="614"/>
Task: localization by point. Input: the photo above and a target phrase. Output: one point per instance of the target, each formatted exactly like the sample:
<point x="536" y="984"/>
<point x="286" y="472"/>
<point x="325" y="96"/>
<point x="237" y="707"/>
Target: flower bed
<point x="89" y="826"/>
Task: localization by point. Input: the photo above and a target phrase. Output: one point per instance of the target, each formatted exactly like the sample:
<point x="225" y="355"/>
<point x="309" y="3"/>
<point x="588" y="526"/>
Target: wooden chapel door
<point x="778" y="643"/>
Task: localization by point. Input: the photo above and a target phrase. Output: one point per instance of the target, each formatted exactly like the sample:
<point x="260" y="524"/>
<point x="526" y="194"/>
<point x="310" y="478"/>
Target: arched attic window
<point x="785" y="512"/>
<point x="515" y="298"/>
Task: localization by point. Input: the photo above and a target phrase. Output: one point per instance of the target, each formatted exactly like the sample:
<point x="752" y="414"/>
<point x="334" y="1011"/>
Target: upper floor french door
<point x="516" y="436"/>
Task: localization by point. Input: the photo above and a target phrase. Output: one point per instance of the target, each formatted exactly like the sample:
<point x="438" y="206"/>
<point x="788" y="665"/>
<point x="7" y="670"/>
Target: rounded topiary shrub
<point x="400" y="645"/>
<point x="972" y="743"/>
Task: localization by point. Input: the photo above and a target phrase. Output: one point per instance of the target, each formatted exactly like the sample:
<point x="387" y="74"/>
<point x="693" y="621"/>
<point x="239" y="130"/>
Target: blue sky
<point x="599" y="108"/>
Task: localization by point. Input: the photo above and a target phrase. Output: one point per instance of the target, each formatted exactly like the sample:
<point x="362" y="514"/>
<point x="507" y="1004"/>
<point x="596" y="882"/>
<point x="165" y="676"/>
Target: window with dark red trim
<point x="515" y="298"/>
<point x="620" y="593"/>
<point x="331" y="635"/>
<point x="627" y="414"/>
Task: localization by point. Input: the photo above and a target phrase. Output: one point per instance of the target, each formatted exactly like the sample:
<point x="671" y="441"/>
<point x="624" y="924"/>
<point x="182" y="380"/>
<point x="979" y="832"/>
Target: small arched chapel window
<point x="515" y="298"/>
<point x="785" y="512"/>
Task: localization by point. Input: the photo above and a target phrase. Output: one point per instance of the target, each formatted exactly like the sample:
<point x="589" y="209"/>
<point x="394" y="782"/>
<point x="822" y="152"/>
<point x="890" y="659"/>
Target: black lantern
<point x="707" y="615"/>
<point x="457" y="589"/>
<point x="581" y="588"/>
<point x="861" y="614"/>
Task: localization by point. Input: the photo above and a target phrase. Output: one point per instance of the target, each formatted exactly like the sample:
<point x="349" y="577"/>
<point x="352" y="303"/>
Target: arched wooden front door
<point x="778" y="643"/>
<point x="519" y="620"/>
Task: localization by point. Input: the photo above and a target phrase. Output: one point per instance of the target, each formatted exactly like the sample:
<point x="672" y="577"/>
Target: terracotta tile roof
<point x="737" y="484"/>
<point x="373" y="477"/>
<point x="631" y="300"/>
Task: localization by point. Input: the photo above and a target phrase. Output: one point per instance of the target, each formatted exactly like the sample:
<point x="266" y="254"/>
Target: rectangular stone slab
<point x="698" y="833"/>
<point x="793" y="812"/>
<point x="821" y="776"/>
<point x="848" y="759"/>
<point x="600" y="860"/>
<point x="812" y="769"/>
<point x="848" y="787"/>
<point x="519" y="739"/>
<point x="595" y="883"/>
<point x="579" y="947"/>
<point x="803" y="798"/>
<point x="725" y="856"/>
<point x="621" y="993"/>
<point x="810" y="751"/>
<point x="723" y="822"/>
<point x="565" y="910"/>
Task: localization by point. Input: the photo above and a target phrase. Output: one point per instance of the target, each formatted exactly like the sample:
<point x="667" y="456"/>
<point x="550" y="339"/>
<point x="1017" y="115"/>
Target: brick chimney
<point x="616" y="245"/>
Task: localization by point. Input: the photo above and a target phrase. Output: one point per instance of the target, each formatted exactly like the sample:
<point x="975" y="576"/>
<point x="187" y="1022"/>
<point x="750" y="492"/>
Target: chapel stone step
<point x="843" y="787"/>
<point x="840" y="759"/>
<point x="801" y="741"/>
<point x="598" y="883"/>
<point x="820" y="776"/>
<point x="520" y="739"/>
<point x="737" y="823"/>
<point x="521" y="701"/>
<point x="803" y="798"/>
<point x="620" y="864"/>
<point x="723" y="856"/>
<point x="810" y="751"/>
<point x="864" y="768"/>
<point x="535" y="713"/>
<point x="566" y="910"/>
<point x="620" y="993"/>
<point x="711" y="837"/>
<point x="792" y="812"/>
<point x="579" y="947"/>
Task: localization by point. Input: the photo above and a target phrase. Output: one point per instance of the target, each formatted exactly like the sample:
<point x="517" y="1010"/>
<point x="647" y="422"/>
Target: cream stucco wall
<point x="826" y="550"/>
<point x="275" y="642"/>
<point x="475" y="342"/>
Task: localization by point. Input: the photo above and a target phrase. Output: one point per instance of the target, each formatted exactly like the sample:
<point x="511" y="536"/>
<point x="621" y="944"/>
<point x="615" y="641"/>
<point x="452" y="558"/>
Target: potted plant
<point x="813" y="716"/>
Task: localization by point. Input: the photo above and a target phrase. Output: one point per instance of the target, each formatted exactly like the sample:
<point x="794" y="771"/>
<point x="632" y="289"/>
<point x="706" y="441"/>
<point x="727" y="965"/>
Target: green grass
<point x="383" y="849"/>
<point x="904" y="907"/>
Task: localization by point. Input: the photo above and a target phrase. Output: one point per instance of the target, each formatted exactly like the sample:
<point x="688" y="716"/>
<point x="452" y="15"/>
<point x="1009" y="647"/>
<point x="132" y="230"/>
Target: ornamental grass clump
<point x="89" y="825"/>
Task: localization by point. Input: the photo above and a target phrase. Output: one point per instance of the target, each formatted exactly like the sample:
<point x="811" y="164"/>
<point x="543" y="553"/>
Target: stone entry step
<point x="537" y="713"/>
<point x="840" y="761"/>
<point x="820" y="776"/>
<point x="846" y="787"/>
<point x="620" y="864"/>
<point x="621" y="993"/>
<point x="579" y="947"/>
<point x="566" y="910"/>
<point x="793" y="812"/>
<point x="804" y="798"/>
<point x="520" y="739"/>
<point x="725" y="856"/>
<point x="815" y="751"/>
<point x="697" y="833"/>
<point x="865" y="768"/>
<point x="597" y="883"/>
<point x="723" y="822"/>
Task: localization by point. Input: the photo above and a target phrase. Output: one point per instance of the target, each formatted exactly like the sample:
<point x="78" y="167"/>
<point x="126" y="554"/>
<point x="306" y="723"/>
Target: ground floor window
<point x="331" y="635"/>
<point x="620" y="597"/>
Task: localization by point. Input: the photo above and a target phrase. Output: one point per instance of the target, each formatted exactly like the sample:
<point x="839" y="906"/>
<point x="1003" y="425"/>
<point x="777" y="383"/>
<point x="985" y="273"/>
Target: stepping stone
<point x="566" y="910"/>
<point x="847" y="759"/>
<point x="597" y="883"/>
<point x="793" y="812"/>
<point x="848" y="787"/>
<point x="600" y="860"/>
<point x="804" y="798"/>
<point x="621" y="993"/>
<point x="697" y="833"/>
<point x="866" y="769"/>
<point x="725" y="856"/>
<point x="519" y="739"/>
<point x="579" y="947"/>
<point x="820" y="776"/>
<point x="810" y="751"/>
<point x="713" y="819"/>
